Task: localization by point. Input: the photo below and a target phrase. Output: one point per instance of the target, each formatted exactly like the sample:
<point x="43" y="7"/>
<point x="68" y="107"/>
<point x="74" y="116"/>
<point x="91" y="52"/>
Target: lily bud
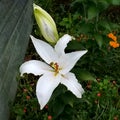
<point x="46" y="24"/>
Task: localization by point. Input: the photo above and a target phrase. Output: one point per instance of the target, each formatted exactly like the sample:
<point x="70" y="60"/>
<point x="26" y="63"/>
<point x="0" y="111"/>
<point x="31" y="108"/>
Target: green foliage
<point x="84" y="74"/>
<point x="101" y="100"/>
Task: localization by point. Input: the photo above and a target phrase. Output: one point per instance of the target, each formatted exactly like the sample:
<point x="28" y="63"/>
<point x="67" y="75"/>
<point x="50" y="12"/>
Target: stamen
<point x="52" y="64"/>
<point x="55" y="66"/>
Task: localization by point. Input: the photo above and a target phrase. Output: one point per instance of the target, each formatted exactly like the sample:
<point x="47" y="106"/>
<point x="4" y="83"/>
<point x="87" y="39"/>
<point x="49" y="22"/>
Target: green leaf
<point x="106" y="25"/>
<point x="76" y="1"/>
<point x="15" y="28"/>
<point x="84" y="75"/>
<point x="57" y="92"/>
<point x="99" y="39"/>
<point x="68" y="98"/>
<point x="86" y="27"/>
<point x="92" y="12"/>
<point x="103" y="4"/>
<point x="58" y="108"/>
<point x="115" y="2"/>
<point x="74" y="45"/>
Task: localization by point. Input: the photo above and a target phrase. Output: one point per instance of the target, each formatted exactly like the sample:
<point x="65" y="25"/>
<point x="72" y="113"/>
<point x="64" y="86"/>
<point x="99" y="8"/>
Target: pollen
<point x="55" y="66"/>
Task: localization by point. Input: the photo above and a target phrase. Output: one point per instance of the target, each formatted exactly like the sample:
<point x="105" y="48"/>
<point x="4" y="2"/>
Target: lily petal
<point x="35" y="67"/>
<point x="72" y="84"/>
<point x="45" y="51"/>
<point x="62" y="44"/>
<point x="68" y="60"/>
<point x="45" y="87"/>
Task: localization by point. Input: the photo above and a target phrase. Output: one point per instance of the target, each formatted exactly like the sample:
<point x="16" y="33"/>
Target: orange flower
<point x="114" y="44"/>
<point x="112" y="36"/>
<point x="25" y="110"/>
<point x="25" y="90"/>
<point x="49" y="117"/>
<point x="99" y="94"/>
<point x="27" y="97"/>
<point x="46" y="107"/>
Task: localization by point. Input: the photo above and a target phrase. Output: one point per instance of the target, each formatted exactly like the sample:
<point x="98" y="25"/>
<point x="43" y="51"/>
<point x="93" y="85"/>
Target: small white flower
<point x="56" y="70"/>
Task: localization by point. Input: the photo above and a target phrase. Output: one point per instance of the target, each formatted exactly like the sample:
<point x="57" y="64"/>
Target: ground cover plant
<point x="95" y="26"/>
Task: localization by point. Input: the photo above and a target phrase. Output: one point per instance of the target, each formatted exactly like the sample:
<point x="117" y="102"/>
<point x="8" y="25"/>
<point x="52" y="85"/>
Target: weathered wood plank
<point x="15" y="28"/>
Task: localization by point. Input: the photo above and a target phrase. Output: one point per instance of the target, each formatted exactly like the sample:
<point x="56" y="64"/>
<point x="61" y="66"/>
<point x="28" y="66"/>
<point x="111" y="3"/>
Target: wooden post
<point x="15" y="28"/>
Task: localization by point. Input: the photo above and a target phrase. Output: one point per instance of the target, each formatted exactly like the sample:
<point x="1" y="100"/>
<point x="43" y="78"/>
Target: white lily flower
<point x="46" y="24"/>
<point x="56" y="70"/>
